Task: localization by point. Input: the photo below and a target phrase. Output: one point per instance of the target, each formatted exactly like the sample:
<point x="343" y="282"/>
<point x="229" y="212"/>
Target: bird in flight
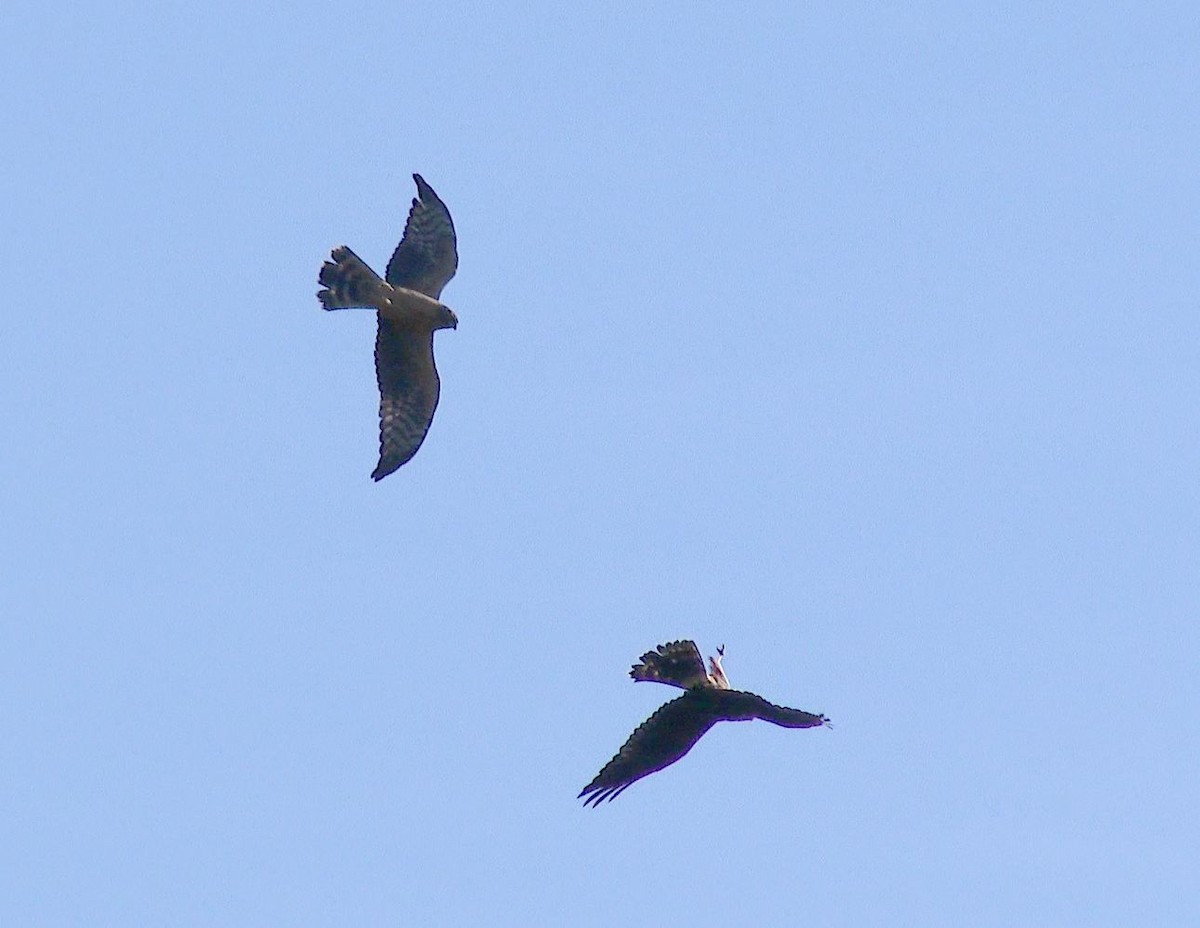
<point x="409" y="312"/>
<point x="675" y="728"/>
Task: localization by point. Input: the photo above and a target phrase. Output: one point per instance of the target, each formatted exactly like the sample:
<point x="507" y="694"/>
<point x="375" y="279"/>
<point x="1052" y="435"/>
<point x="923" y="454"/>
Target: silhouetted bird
<point x="674" y="729"/>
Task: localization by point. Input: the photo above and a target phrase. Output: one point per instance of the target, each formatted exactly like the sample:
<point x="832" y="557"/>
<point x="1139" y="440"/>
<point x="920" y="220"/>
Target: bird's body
<point x="409" y="312"/>
<point x="675" y="728"/>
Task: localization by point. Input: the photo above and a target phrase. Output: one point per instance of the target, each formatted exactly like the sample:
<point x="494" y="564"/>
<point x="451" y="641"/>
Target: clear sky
<point x="860" y="338"/>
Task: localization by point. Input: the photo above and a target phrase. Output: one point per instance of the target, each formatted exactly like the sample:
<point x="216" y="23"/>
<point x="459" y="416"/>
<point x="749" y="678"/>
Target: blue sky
<point x="863" y="341"/>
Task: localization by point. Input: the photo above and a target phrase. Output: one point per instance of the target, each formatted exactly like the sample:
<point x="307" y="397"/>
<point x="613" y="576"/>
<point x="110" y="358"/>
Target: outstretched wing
<point x="677" y="664"/>
<point x="658" y="742"/>
<point x="408" y="392"/>
<point x="740" y="706"/>
<point x="427" y="256"/>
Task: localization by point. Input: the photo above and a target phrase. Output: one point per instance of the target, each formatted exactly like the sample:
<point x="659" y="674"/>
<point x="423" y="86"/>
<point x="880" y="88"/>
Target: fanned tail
<point x="677" y="663"/>
<point x="350" y="283"/>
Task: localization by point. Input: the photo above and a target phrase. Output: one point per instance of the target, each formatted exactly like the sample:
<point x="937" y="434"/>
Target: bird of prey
<point x="409" y="311"/>
<point x="674" y="729"/>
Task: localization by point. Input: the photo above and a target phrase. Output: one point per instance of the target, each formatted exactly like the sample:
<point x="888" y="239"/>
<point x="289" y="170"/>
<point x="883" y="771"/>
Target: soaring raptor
<point x="409" y="312"/>
<point x="674" y="729"/>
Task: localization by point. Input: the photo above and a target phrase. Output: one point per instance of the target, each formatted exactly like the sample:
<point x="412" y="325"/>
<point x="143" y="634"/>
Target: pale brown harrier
<point x="409" y="312"/>
<point x="674" y="729"/>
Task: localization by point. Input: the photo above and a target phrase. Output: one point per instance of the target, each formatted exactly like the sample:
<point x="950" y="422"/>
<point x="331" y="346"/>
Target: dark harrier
<point x="674" y="729"/>
<point x="409" y="313"/>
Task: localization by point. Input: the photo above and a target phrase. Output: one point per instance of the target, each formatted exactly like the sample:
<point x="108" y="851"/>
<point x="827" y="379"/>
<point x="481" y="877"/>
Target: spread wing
<point x="674" y="729"/>
<point x="657" y="743"/>
<point x="740" y="706"/>
<point x="408" y="392"/>
<point x="427" y="256"/>
<point x="677" y="664"/>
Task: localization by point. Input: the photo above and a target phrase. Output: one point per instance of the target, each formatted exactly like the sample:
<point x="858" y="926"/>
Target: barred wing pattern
<point x="409" y="313"/>
<point x="427" y="255"/>
<point x="409" y="387"/>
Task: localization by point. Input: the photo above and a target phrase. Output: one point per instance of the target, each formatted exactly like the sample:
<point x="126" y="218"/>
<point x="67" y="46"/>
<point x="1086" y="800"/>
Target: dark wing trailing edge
<point x="658" y="742"/>
<point x="427" y="255"/>
<point x="676" y="664"/>
<point x="408" y="393"/>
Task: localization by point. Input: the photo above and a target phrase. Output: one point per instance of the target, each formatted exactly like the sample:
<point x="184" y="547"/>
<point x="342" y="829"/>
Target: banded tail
<point x="676" y="664"/>
<point x="350" y="283"/>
